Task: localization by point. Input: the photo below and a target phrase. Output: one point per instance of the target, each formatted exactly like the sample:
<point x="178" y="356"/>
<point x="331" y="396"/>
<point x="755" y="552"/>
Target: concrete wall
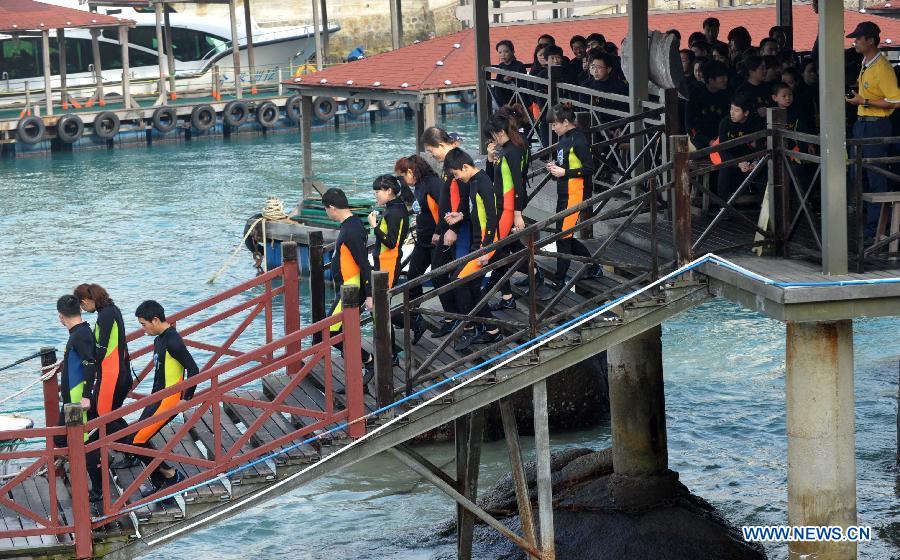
<point x="364" y="23"/>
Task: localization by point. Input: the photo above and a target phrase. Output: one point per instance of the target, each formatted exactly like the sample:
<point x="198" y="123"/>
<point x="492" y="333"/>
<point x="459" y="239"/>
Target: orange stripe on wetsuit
<point x="390" y="232"/>
<point x="113" y="381"/>
<point x="575" y="157"/>
<point x="484" y="215"/>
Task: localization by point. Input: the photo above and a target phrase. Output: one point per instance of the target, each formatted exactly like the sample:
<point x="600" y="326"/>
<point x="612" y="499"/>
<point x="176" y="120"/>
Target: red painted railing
<point x="224" y="372"/>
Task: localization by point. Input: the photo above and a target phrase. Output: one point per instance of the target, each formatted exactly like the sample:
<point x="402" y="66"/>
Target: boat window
<point x="143" y="36"/>
<point x="190" y="44"/>
<point x="21" y="58"/>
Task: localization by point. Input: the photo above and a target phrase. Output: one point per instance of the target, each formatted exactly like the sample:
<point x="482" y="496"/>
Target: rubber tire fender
<point x="267" y="114"/>
<point x="165" y="119"/>
<point x="30" y="130"/>
<point x="324" y="107"/>
<point x="69" y="129"/>
<point x="106" y="125"/>
<point x="386" y="105"/>
<point x="203" y="117"/>
<point x="235" y="113"/>
<point x="468" y="97"/>
<point x="292" y="108"/>
<point x="357" y="106"/>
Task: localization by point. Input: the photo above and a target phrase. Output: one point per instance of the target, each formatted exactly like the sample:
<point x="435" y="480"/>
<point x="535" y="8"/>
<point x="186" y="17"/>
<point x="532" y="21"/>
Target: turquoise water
<point x="158" y="222"/>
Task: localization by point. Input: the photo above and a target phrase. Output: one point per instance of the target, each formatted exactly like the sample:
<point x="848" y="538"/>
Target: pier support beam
<point x="821" y="433"/>
<point x="170" y="55"/>
<point x="126" y="69"/>
<point x="833" y="138"/>
<point x="48" y="85"/>
<point x="639" y="74"/>
<point x="544" y="472"/>
<point x="482" y="59"/>
<point x="235" y="50"/>
<point x="61" y="49"/>
<point x="306" y="144"/>
<point x="469" y="433"/>
<point x="396" y="24"/>
<point x="98" y="67"/>
<point x="317" y="33"/>
<point x="251" y="60"/>
<point x="517" y="469"/>
<point x="160" y="55"/>
<point x="637" y="405"/>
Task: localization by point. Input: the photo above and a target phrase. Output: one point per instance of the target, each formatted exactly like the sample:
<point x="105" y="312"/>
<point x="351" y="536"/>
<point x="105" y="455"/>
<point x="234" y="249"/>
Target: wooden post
<point x="460" y="439"/>
<point x="511" y="433"/>
<point x="317" y="33"/>
<point x="431" y="109"/>
<point x="784" y="17"/>
<point x="126" y="68"/>
<point x="860" y="212"/>
<point x="316" y="279"/>
<point x="323" y="11"/>
<point x="251" y="61"/>
<point x="384" y="350"/>
<point x="466" y="523"/>
<point x="420" y="125"/>
<point x="51" y="391"/>
<point x="554" y="73"/>
<point x="98" y="69"/>
<point x="48" y="84"/>
<point x="235" y="50"/>
<point x="61" y="48"/>
<point x="673" y="126"/>
<point x="681" y="199"/>
<point x="160" y="54"/>
<point x="396" y="24"/>
<point x="170" y="55"/>
<point x="779" y="181"/>
<point x="482" y="61"/>
<point x="353" y="378"/>
<point x="639" y="76"/>
<point x="544" y="475"/>
<point x="306" y="144"/>
<point x="291" y="298"/>
<point x="81" y="507"/>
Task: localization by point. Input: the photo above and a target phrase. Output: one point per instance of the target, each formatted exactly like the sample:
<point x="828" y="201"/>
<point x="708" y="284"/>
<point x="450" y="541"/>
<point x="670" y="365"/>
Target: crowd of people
<point x="96" y="374"/>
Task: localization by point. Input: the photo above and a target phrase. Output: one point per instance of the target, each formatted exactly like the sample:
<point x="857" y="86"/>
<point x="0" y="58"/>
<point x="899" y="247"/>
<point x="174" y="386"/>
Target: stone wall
<point x="364" y="23"/>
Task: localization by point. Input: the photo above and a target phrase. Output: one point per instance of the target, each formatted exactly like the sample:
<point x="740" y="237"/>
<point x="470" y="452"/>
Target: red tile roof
<point x="448" y="62"/>
<point x="28" y="15"/>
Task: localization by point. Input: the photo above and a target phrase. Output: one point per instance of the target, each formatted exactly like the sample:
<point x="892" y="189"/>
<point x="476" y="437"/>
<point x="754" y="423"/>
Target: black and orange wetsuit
<point x="114" y="380"/>
<point x="172" y="363"/>
<point x="390" y="234"/>
<point x="510" y="174"/>
<point x="350" y="267"/>
<point x="484" y="219"/>
<point x="454" y="198"/>
<point x="428" y="196"/>
<point x="573" y="155"/>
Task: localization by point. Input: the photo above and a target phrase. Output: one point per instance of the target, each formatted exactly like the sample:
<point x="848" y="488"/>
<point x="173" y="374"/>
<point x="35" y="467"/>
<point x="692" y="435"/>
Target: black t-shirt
<point x="705" y="111"/>
<point x="760" y="95"/>
<point x="729" y="130"/>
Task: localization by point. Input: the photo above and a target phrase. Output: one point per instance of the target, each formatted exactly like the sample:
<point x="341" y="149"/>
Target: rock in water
<point x="587" y="520"/>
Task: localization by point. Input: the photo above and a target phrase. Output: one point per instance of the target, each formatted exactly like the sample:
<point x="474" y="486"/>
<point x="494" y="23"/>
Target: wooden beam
<point x="466" y="523"/>
<point x="170" y="55"/>
<point x="98" y="67"/>
<point x="544" y="476"/>
<point x="317" y="33"/>
<point x="639" y="74"/>
<point x="235" y="50"/>
<point x="482" y="25"/>
<point x="126" y="68"/>
<point x="48" y="85"/>
<point x="306" y="144"/>
<point x="517" y="469"/>
<point x="420" y="126"/>
<point x="784" y="17"/>
<point x="325" y="35"/>
<point x="160" y="55"/>
<point x="251" y="61"/>
<point x="61" y="49"/>
<point x="396" y="24"/>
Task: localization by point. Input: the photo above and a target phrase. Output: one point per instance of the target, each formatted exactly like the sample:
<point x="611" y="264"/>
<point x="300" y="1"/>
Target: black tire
<point x="30" y="130"/>
<point x="387" y="105"/>
<point x="292" y="108"/>
<point x="203" y="117"/>
<point x="69" y="128"/>
<point x="324" y="107"/>
<point x="165" y="119"/>
<point x="468" y="97"/>
<point x="357" y="106"/>
<point x="267" y="114"/>
<point x="236" y="113"/>
<point x="106" y="125"/>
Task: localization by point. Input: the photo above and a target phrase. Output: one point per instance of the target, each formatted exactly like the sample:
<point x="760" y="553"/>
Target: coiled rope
<point x="47" y="372"/>
<point x="273" y="211"/>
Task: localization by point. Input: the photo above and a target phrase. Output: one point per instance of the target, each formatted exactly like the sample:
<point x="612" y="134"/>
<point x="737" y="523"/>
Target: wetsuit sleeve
<point x="356" y="244"/>
<point x="487" y="192"/>
<point x="583" y="153"/>
<point x="394" y="222"/>
<point x="514" y="160"/>
<point x="179" y="351"/>
<point x="87" y="351"/>
<point x="443" y="208"/>
<point x="693" y="127"/>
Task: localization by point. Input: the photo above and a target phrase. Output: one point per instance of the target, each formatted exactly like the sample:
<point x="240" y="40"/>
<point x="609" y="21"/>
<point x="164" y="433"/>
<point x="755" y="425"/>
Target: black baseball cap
<point x="865" y="29"/>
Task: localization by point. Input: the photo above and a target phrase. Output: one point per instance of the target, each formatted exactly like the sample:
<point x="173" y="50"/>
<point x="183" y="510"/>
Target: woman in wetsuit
<point x="114" y="367"/>
<point x="416" y="173"/>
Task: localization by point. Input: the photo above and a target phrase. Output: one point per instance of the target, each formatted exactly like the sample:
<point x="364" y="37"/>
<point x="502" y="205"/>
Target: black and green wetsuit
<point x="390" y="234"/>
<point x="112" y="354"/>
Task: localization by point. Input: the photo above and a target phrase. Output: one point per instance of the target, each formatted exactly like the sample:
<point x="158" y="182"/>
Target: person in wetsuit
<point x="451" y="240"/>
<point x="78" y="380"/>
<point x="484" y="218"/>
<point x="573" y="169"/>
<point x="741" y="121"/>
<point x="416" y="173"/>
<point x="112" y="352"/>
<point x="349" y="264"/>
<point x="172" y="364"/>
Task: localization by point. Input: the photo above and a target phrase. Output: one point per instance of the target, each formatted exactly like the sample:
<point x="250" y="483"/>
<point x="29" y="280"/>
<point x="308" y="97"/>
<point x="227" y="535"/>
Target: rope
<point x="37" y="354"/>
<point x="273" y="211"/>
<point x="47" y="372"/>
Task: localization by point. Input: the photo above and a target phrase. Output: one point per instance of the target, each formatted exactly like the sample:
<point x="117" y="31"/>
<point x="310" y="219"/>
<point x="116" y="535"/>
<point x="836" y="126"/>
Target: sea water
<point x="157" y="222"/>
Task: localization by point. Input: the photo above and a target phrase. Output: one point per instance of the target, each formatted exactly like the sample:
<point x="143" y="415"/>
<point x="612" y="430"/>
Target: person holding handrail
<point x="875" y="99"/>
<point x="172" y="364"/>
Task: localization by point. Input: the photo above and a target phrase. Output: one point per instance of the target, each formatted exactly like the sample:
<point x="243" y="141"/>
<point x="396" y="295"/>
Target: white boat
<point x="198" y="44"/>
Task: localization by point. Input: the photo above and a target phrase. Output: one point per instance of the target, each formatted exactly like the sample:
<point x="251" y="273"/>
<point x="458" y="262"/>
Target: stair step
<point x="305" y="395"/>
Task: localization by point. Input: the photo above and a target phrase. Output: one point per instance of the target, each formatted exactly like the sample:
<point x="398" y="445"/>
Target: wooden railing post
<point x="51" y="391"/>
<point x="779" y="181"/>
<point x="353" y="378"/>
<point x="673" y="127"/>
<point x="681" y="199"/>
<point x="316" y="279"/>
<point x="583" y="120"/>
<point x="554" y="73"/>
<point x="291" y="275"/>
<point x="384" y="346"/>
<point x="81" y="506"/>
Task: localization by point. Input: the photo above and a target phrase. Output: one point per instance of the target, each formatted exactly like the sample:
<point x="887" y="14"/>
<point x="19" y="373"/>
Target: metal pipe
<point x="236" y="50"/>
